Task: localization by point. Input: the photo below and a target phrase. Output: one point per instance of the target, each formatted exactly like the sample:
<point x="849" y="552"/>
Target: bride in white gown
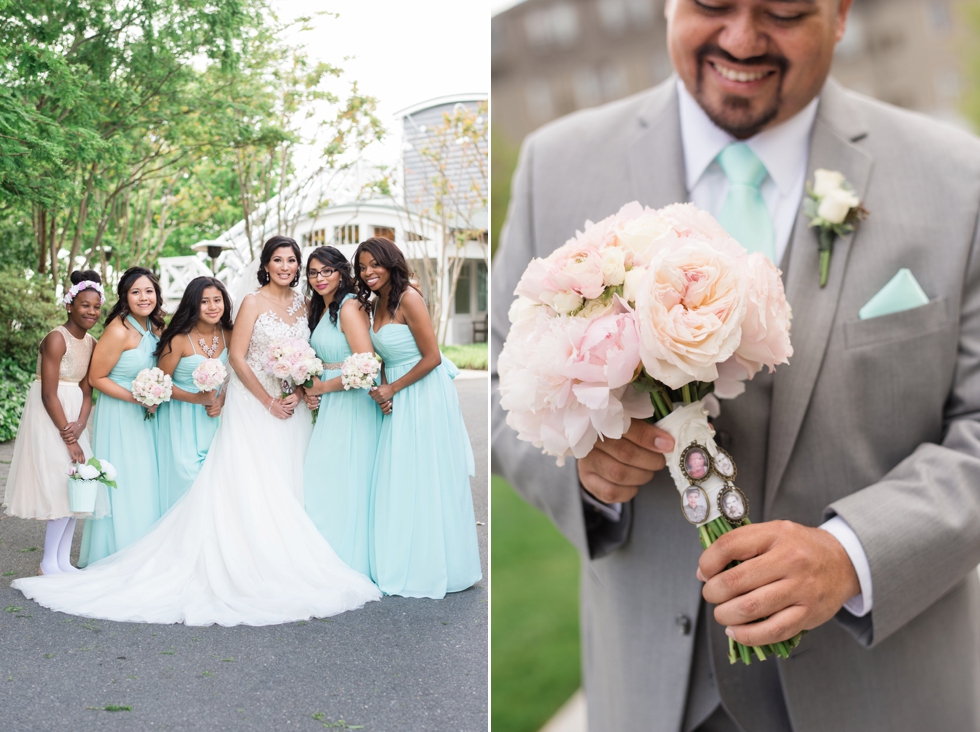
<point x="238" y="548"/>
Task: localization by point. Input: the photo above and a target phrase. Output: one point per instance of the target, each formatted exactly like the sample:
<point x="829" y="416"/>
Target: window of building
<point x="349" y="234"/>
<point x="481" y="287"/>
<point x="556" y="25"/>
<point x="412" y="236"/>
<point x="385" y="232"/>
<point x="463" y="291"/>
<point x="315" y="238"/>
<point x="586" y="88"/>
<point x="537" y="97"/>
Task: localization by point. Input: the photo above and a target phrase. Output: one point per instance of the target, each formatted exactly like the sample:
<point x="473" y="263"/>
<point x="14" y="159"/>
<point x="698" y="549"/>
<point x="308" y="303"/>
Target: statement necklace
<point x="209" y="352"/>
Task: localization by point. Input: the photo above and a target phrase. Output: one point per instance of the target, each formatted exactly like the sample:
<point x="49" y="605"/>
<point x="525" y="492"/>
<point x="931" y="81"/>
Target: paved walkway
<point x="398" y="664"/>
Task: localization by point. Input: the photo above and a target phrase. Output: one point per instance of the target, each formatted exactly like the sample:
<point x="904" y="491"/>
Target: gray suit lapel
<point x="658" y="180"/>
<point x="837" y="127"/>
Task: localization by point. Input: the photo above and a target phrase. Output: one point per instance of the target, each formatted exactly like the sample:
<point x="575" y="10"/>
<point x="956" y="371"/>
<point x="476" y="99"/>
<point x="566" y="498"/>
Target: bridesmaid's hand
<point x="383" y="393"/>
<point x="207" y="398"/>
<point x="214" y="409"/>
<point x="151" y="410"/>
<point x="386" y="408"/>
<point x="72" y="431"/>
<point x="76" y="453"/>
<point x="312" y="401"/>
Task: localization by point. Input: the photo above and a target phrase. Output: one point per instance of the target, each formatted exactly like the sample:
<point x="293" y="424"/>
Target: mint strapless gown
<point x="185" y="432"/>
<point x="126" y="440"/>
<point x="340" y="459"/>
<point x="423" y="530"/>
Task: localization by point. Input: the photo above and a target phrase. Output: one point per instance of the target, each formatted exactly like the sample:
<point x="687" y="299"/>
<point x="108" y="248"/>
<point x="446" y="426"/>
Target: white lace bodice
<point x="270" y="327"/>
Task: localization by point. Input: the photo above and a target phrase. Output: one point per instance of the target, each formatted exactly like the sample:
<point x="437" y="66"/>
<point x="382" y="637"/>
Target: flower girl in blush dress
<point x="187" y="423"/>
<point x="340" y="460"/>
<point x="52" y="427"/>
<point x="121" y="435"/>
<point x="237" y="548"/>
<point x="423" y="531"/>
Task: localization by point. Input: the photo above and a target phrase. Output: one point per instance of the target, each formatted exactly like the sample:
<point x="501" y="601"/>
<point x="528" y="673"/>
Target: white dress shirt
<point x="784" y="151"/>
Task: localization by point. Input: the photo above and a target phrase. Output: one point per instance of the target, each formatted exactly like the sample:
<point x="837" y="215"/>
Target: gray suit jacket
<point x="876" y="420"/>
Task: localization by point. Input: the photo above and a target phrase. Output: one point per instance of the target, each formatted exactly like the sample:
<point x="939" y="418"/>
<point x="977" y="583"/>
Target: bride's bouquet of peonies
<point x="360" y="371"/>
<point x="294" y="362"/>
<point x="209" y="375"/>
<point x="643" y="315"/>
<point x="152" y="387"/>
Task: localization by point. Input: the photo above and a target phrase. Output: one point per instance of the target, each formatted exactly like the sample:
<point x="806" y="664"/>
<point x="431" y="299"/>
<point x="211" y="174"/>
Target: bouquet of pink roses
<point x="209" y="375"/>
<point x="294" y="362"/>
<point x="152" y="387"/>
<point x="643" y="315"/>
<point x="360" y="370"/>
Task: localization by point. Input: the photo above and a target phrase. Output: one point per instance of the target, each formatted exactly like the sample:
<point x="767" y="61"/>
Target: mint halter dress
<point x="340" y="459"/>
<point x="126" y="440"/>
<point x="423" y="530"/>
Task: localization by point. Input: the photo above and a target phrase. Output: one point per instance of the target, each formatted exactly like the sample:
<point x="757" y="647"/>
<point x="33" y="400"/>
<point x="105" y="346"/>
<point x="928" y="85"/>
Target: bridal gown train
<point x="238" y="547"/>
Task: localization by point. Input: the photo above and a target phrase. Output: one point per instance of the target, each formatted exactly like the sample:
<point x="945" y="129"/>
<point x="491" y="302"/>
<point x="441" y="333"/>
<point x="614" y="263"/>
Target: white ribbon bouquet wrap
<point x="647" y="314"/>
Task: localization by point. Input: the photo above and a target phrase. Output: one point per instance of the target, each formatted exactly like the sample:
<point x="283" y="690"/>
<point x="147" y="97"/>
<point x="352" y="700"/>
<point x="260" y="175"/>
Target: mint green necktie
<point x="744" y="214"/>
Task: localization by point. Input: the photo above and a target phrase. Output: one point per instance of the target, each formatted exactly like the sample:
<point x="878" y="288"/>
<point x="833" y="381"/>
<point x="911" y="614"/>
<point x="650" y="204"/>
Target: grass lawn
<point x="468" y="356"/>
<point x="534" y="615"/>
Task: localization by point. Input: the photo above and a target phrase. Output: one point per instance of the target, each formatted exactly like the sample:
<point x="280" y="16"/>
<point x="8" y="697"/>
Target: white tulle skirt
<point x="37" y="487"/>
<point x="237" y="548"/>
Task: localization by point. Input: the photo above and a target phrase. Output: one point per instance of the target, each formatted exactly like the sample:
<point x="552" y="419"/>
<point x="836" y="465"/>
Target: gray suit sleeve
<point x="553" y="489"/>
<point x="920" y="525"/>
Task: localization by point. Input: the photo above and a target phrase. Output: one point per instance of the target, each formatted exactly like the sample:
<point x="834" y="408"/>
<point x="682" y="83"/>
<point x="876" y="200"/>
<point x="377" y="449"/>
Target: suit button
<point x="684" y="624"/>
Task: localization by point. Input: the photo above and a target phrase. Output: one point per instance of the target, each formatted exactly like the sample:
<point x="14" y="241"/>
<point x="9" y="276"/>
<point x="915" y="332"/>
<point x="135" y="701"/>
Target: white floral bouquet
<point x="644" y="315"/>
<point x="360" y="371"/>
<point x="87" y="483"/>
<point x="209" y="375"/>
<point x="294" y="362"/>
<point x="152" y="387"/>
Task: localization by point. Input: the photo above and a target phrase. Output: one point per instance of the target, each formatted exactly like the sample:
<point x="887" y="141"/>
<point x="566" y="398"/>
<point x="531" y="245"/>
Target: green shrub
<point x="469" y="356"/>
<point x="28" y="311"/>
<point x="14" y="382"/>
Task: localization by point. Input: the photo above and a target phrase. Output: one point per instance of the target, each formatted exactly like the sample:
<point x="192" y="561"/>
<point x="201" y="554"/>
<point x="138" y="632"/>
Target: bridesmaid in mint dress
<point x="340" y="458"/>
<point x="186" y="424"/>
<point x="423" y="530"/>
<point x="121" y="435"/>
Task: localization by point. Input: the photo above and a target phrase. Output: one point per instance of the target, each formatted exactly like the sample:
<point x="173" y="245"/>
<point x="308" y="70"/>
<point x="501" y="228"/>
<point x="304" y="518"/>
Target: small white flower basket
<point x="88" y="485"/>
<point x="82" y="495"/>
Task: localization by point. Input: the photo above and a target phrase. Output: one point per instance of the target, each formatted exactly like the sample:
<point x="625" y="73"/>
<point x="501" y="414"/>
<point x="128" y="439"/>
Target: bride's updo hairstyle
<point x="270" y="247"/>
<point x="390" y="257"/>
<point x="329" y="257"/>
<point x="189" y="311"/>
<point x="121" y="308"/>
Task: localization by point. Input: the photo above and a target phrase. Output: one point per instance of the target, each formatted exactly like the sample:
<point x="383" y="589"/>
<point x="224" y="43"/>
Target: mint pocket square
<point x="901" y="293"/>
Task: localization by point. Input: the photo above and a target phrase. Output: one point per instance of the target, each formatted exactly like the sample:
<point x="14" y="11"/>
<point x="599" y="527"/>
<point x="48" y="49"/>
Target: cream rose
<point x="566" y="302"/>
<point x="835" y="205"/>
<point x="825" y="181"/>
<point x="690" y="305"/>
<point x="631" y="282"/>
<point x="643" y="236"/>
<point x="613" y="266"/>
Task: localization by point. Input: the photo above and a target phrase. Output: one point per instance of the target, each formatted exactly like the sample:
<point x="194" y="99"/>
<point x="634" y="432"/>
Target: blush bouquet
<point x="294" y="363"/>
<point x="360" y="370"/>
<point x="209" y="375"/>
<point x="647" y="314"/>
<point x="152" y="387"/>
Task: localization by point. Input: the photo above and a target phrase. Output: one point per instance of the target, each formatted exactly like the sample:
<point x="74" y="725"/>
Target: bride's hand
<point x="278" y="410"/>
<point x="289" y="403"/>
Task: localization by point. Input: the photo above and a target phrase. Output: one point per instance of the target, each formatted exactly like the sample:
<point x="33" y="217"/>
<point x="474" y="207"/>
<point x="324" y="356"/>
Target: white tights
<point x="57" y="546"/>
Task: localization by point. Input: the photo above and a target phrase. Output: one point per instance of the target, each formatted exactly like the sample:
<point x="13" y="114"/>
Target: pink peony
<point x="690" y="305"/>
<point x="765" y="330"/>
<point x="556" y="377"/>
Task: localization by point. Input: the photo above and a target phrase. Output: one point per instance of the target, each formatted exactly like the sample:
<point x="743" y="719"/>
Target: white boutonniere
<point x="834" y="208"/>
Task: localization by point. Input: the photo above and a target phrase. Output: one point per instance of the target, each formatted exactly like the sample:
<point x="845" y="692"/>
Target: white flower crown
<point x="84" y="285"/>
